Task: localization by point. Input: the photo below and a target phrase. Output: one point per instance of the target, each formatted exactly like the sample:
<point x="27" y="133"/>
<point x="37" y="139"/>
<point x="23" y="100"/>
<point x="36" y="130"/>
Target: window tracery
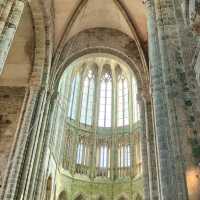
<point x="122" y="102"/>
<point x="102" y="124"/>
<point x="88" y="99"/>
<point x="105" y="101"/>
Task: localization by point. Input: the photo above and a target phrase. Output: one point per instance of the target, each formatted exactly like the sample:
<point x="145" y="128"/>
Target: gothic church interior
<point x="99" y="100"/>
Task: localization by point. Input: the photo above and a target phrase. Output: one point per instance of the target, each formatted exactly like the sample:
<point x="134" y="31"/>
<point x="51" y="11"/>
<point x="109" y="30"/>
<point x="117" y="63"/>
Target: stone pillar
<point x="150" y="140"/>
<point x="143" y="139"/>
<point x="36" y="192"/>
<point x="160" y="107"/>
<point x="172" y="100"/>
<point x="8" y="31"/>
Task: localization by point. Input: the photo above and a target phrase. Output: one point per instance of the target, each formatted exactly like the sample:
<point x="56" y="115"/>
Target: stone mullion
<point x="95" y="121"/>
<point x="30" y="162"/>
<point x="20" y="153"/>
<point x="143" y="139"/>
<point x="9" y="31"/>
<point x="36" y="191"/>
<point x="131" y="138"/>
<point x="113" y="155"/>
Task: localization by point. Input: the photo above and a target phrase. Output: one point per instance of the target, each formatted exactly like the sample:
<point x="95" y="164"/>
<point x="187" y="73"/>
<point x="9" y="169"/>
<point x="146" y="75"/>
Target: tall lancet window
<point x="88" y="99"/>
<point x="122" y="101"/>
<point x="105" y="100"/>
<point x="74" y="97"/>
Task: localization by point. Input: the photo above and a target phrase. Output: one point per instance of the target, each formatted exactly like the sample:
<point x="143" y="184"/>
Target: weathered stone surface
<point x="11" y="100"/>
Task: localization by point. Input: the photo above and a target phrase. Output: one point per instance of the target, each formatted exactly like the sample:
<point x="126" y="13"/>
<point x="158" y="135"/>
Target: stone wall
<point x="74" y="186"/>
<point x="11" y="100"/>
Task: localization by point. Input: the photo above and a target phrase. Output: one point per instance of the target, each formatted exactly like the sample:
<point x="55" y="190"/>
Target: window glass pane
<point x="103" y="157"/>
<point x="79" y="154"/>
<point x="124" y="156"/>
<point x="87" y="99"/>
<point x="122" y="101"/>
<point x="105" y="107"/>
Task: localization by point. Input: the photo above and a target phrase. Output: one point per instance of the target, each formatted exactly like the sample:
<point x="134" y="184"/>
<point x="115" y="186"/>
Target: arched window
<point x="102" y="119"/>
<point x="81" y="154"/>
<point x="105" y="106"/>
<point x="88" y="99"/>
<point x="122" y="101"/>
<point x="124" y="158"/>
<point x="103" y="156"/>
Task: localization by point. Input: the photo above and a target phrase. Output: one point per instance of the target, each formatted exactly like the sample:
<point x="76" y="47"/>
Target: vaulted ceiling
<point x="117" y="14"/>
<point x="69" y="17"/>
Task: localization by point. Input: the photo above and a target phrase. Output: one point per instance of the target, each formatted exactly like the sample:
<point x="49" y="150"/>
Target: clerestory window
<point x="105" y="107"/>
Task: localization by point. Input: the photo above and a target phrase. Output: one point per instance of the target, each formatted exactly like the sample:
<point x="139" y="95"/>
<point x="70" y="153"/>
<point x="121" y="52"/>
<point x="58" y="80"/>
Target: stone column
<point x="36" y="191"/>
<point x="160" y="107"/>
<point x="143" y="139"/>
<point x="150" y="138"/>
<point x="172" y="100"/>
<point x="9" y="30"/>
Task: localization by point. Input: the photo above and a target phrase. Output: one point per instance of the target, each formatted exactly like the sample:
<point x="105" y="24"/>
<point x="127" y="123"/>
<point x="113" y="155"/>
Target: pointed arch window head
<point x="122" y="101"/>
<point x="88" y="98"/>
<point x="102" y="96"/>
<point x="105" y="105"/>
